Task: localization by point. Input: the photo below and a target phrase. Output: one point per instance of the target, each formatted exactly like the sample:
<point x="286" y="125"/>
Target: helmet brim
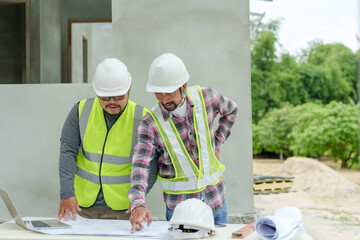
<point x="112" y="92"/>
<point x="193" y="225"/>
<point x="167" y="89"/>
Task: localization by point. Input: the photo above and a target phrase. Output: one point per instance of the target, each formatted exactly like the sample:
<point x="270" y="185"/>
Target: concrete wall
<point x="35" y="41"/>
<point x="45" y="41"/>
<point x="30" y="125"/>
<point x="78" y="31"/>
<point x="12" y="43"/>
<point x="50" y="42"/>
<point x="49" y="45"/>
<point x="99" y="37"/>
<point x="78" y="10"/>
<point x="101" y="45"/>
<point x="212" y="38"/>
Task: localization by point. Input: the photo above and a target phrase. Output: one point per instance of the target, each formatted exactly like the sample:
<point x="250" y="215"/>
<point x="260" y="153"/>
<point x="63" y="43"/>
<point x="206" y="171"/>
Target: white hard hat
<point x="192" y="214"/>
<point x="167" y="73"/>
<point x="111" y="78"/>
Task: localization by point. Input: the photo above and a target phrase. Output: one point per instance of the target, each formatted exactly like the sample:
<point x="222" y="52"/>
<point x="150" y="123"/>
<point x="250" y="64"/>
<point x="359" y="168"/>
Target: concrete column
<point x="212" y="38"/>
<point x="45" y="58"/>
<point x="50" y="42"/>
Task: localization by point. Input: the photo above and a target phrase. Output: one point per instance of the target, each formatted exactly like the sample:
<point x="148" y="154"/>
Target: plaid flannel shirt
<point x="150" y="145"/>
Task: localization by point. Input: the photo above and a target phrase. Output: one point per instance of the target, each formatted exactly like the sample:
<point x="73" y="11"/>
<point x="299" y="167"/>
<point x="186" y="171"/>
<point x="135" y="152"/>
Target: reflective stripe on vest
<point x="104" y="159"/>
<point x="189" y="178"/>
<point x="107" y="158"/>
<point x="104" y="179"/>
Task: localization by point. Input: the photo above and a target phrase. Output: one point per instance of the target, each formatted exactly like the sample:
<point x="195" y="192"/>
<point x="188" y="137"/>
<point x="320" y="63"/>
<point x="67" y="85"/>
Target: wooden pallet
<point x="272" y="184"/>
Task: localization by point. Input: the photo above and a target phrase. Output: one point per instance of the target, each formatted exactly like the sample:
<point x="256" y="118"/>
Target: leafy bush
<point x="272" y="132"/>
<point x="333" y="132"/>
<point x="310" y="130"/>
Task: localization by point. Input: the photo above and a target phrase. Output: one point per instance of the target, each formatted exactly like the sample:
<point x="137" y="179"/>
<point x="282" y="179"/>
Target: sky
<point x="307" y="20"/>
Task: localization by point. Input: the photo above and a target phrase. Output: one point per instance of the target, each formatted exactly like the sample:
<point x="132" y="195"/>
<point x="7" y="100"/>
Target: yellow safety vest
<point x="188" y="177"/>
<point x="104" y="158"/>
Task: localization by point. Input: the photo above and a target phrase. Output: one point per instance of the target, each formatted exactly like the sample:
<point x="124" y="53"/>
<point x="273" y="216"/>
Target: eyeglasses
<point x="116" y="98"/>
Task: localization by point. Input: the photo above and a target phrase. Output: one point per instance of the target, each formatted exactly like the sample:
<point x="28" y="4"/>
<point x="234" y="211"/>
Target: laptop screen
<point x="38" y="224"/>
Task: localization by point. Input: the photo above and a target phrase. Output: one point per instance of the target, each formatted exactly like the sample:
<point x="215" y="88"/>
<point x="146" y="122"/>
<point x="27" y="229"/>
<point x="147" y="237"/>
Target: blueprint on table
<point x="84" y="226"/>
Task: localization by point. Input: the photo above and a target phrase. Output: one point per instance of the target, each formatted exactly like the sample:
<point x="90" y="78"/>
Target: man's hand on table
<point x="139" y="216"/>
<point x="67" y="206"/>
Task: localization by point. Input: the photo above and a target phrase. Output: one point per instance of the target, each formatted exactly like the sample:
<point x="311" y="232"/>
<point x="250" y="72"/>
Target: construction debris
<point x="244" y="231"/>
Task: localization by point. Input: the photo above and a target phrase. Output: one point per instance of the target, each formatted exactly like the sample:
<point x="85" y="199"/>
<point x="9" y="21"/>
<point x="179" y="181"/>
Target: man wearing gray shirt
<point x="96" y="149"/>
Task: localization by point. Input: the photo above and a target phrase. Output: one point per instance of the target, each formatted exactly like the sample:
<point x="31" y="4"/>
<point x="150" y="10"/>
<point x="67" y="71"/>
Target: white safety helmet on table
<point x="192" y="218"/>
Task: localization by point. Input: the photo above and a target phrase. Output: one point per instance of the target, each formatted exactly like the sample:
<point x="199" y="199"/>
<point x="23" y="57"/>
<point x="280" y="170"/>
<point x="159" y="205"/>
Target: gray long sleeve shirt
<point x="69" y="149"/>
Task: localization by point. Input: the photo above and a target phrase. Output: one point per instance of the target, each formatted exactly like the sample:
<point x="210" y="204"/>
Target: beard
<point x="172" y="107"/>
<point x="113" y="105"/>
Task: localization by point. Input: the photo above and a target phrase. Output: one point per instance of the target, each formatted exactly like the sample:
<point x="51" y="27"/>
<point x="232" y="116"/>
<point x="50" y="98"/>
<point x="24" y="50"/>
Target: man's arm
<point x="228" y="110"/>
<point x="154" y="169"/>
<point x="70" y="143"/>
<point x="143" y="161"/>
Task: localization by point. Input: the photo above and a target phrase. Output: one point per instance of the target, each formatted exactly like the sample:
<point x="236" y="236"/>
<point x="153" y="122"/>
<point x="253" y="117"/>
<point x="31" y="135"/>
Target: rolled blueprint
<point x="284" y="224"/>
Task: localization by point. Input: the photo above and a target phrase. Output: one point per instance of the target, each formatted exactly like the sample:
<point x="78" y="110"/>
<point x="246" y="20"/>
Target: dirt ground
<point x="329" y="199"/>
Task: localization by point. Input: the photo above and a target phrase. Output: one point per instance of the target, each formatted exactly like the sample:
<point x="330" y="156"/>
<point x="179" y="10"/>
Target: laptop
<point x="37" y="224"/>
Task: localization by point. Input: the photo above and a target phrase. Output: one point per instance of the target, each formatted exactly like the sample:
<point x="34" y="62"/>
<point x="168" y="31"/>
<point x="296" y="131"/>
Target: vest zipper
<point x="102" y="156"/>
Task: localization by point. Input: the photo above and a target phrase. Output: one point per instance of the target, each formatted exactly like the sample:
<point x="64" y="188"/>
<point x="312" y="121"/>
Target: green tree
<point x="289" y="94"/>
<point x="289" y="78"/>
<point x="272" y="133"/>
<point x="310" y="130"/>
<point x="274" y="80"/>
<point x="333" y="131"/>
<point x="316" y="83"/>
<point x="263" y="50"/>
<point x="266" y="93"/>
<point x="334" y="67"/>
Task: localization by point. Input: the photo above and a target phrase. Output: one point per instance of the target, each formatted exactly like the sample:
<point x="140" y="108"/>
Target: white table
<point x="11" y="231"/>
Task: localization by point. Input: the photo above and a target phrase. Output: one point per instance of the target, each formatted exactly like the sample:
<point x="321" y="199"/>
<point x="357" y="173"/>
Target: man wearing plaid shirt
<point x="177" y="139"/>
